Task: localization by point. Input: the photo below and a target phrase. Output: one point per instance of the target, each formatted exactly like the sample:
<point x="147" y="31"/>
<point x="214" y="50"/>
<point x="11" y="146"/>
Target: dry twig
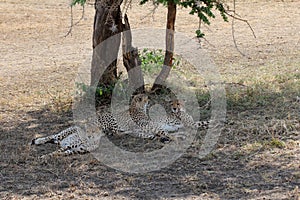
<point x="72" y="21"/>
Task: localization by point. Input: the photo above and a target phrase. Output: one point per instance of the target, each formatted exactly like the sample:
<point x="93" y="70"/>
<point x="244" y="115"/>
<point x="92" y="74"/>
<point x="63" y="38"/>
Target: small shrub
<point x="153" y="60"/>
<point x="275" y="143"/>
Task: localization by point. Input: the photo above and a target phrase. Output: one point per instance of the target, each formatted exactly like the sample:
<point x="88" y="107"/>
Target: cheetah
<point x="182" y="119"/>
<point x="134" y="121"/>
<point x="178" y="118"/>
<point x="73" y="140"/>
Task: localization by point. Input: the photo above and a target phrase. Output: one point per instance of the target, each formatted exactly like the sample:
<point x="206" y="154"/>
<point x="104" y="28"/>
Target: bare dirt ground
<point x="257" y="156"/>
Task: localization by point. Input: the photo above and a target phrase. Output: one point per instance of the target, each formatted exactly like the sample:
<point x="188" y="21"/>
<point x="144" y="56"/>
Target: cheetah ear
<point x="168" y="99"/>
<point x="183" y="100"/>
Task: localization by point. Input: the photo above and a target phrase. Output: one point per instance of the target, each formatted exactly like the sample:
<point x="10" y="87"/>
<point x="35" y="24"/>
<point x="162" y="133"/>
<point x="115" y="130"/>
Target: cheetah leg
<point x="158" y="132"/>
<point x="170" y="128"/>
<point x="55" y="138"/>
<point x="145" y="134"/>
<point x="149" y="133"/>
<point x="64" y="152"/>
<point x="139" y="132"/>
<point x="202" y="124"/>
<point x="188" y="121"/>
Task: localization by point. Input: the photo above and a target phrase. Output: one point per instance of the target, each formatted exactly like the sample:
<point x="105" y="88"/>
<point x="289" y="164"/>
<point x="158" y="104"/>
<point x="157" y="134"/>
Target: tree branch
<point x="234" y="16"/>
<point x="131" y="60"/>
<point x="164" y="73"/>
<point x="72" y="23"/>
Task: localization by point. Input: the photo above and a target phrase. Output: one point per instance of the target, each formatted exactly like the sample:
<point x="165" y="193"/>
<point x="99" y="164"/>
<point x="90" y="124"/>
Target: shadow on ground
<point x="227" y="173"/>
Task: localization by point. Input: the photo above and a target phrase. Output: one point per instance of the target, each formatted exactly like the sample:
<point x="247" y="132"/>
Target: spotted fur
<point x="181" y="117"/>
<point x="74" y="140"/>
<point x="71" y="141"/>
<point x="134" y="121"/>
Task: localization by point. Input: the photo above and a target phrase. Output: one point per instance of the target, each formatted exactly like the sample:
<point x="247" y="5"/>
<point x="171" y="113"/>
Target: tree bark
<point x="131" y="61"/>
<point x="164" y="73"/>
<point x="105" y="47"/>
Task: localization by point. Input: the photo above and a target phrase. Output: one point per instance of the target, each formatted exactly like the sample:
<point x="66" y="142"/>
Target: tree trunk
<point x="104" y="70"/>
<point x="164" y="73"/>
<point x="131" y="61"/>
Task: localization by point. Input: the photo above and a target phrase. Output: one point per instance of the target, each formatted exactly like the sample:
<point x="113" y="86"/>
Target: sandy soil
<point x="38" y="68"/>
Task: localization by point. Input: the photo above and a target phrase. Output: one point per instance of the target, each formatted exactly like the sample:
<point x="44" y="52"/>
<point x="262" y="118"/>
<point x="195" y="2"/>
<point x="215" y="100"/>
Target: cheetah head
<point x="177" y="106"/>
<point x="140" y="101"/>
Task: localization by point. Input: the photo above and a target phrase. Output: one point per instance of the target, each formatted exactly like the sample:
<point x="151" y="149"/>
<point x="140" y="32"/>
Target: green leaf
<point x="81" y="2"/>
<point x="199" y="34"/>
<point x="202" y="8"/>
